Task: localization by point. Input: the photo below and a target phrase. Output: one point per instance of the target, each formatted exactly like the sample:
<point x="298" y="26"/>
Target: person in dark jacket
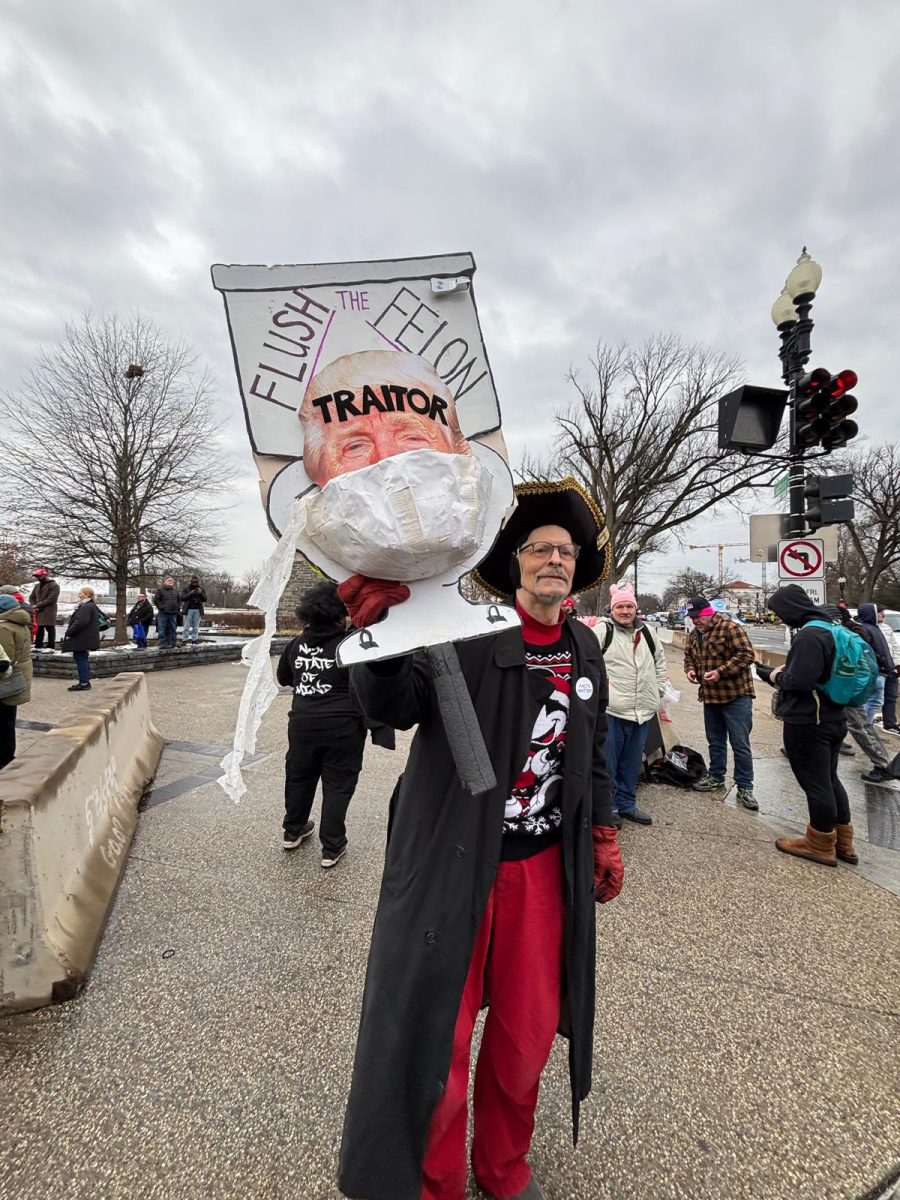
<point x="168" y="603"/>
<point x="193" y="597"/>
<point x="44" y="599"/>
<point x="15" y="647"/>
<point x="885" y="768"/>
<point x="140" y="618"/>
<point x="867" y="615"/>
<point x="10" y="589"/>
<point x="515" y="871"/>
<point x="83" y="635"/>
<point x="326" y="733"/>
<point x="814" y="728"/>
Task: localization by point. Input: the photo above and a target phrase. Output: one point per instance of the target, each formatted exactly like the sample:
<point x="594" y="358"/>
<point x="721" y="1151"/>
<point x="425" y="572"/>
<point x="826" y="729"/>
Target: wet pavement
<point x="748" y="1028"/>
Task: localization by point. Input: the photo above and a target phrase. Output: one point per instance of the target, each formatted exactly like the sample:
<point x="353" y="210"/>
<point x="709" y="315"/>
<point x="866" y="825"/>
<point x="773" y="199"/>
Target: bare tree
<point x="15" y="559"/>
<point x="869" y="547"/>
<point x="128" y="484"/>
<point x="688" y="582"/>
<point x="220" y="587"/>
<point x="250" y="578"/>
<point x="641" y="437"/>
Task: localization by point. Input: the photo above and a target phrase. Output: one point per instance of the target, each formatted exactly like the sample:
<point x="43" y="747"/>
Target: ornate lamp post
<point x="790" y="314"/>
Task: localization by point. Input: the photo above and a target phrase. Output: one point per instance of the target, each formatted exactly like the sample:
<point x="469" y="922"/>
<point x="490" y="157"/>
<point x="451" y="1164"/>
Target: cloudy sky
<point x="616" y="170"/>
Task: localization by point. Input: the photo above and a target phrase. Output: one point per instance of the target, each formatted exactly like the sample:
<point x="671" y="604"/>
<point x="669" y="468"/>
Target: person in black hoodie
<point x="814" y="728"/>
<point x="867" y="615"/>
<point x="326" y="733"/>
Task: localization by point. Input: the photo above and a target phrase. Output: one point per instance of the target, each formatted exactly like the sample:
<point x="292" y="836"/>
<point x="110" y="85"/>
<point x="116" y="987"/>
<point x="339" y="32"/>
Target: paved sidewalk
<point x="748" y="1033"/>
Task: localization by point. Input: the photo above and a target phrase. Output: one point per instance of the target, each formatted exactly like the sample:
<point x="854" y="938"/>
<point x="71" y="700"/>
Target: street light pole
<point x="790" y="312"/>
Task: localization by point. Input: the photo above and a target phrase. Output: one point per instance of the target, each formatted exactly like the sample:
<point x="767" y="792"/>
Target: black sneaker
<point x="79" y="687"/>
<point x="745" y="796"/>
<point x="878" y="775"/>
<point x="617" y="819"/>
<point x="330" y="859"/>
<point x="291" y="840"/>
<point x="847" y="749"/>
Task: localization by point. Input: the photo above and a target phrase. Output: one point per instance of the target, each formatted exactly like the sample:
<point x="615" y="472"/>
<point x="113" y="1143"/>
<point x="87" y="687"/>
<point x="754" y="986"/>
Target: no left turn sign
<point x="801" y="558"/>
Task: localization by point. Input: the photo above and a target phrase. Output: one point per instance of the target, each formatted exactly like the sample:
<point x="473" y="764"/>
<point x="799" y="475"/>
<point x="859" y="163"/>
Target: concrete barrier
<point x="68" y="810"/>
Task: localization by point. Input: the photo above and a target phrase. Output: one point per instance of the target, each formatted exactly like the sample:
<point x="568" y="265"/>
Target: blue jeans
<point x="82" y="665"/>
<point x="875" y="701"/>
<point x="191" y="630"/>
<point x="167" y="627"/>
<point x="624" y="749"/>
<point x="726" y="723"/>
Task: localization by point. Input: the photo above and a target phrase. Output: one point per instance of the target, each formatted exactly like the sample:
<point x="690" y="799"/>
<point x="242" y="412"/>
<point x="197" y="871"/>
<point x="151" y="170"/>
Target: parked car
<point x="892" y="618"/>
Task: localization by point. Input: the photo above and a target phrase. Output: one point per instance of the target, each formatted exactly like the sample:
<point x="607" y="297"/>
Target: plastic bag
<point x="670" y="698"/>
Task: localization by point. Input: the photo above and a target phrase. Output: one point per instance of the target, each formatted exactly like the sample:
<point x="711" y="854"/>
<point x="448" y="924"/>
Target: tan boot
<point x="845" y="849"/>
<point x="818" y="847"/>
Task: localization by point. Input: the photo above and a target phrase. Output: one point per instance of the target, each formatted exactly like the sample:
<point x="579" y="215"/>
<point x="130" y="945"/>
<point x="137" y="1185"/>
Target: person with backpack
<point x="82" y="636"/>
<point x="827" y="666"/>
<point x="636" y="670"/>
<point x="717" y="657"/>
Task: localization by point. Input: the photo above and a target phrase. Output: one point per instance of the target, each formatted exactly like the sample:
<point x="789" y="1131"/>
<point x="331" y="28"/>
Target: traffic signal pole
<point x="794" y="354"/>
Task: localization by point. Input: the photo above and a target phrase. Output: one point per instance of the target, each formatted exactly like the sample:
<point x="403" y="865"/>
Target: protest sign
<point x="375" y="427"/>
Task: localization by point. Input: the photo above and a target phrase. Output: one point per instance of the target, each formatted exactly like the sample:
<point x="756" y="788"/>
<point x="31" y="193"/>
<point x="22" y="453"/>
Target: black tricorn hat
<point x="550" y="502"/>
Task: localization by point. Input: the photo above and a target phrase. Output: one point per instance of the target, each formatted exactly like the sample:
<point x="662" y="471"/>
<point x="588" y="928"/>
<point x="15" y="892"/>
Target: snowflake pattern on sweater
<point x="532" y="809"/>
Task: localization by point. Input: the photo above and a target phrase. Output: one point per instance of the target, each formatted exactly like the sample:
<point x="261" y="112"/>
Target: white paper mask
<point x="411" y="516"/>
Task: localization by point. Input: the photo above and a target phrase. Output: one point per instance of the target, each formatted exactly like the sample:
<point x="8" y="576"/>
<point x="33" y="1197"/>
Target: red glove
<point x="609" y="870"/>
<point x="366" y="599"/>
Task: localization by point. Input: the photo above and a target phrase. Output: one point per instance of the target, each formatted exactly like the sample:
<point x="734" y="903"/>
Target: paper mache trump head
<point x="402" y="495"/>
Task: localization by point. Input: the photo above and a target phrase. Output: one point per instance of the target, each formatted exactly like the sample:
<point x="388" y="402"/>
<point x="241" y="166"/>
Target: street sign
<point x="782" y="486"/>
<point x="814" y="588"/>
<point x="767" y="529"/>
<point x="801" y="559"/>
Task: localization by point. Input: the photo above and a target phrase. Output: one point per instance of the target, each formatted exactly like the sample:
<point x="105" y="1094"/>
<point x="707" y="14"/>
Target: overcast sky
<point x="616" y="170"/>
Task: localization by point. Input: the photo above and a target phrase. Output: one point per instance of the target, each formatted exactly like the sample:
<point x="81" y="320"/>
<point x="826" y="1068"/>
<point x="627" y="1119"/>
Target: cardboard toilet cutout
<point x="369" y="400"/>
<point x="375" y="427"/>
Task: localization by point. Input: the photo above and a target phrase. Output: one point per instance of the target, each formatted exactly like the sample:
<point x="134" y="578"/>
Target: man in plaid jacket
<point x="718" y="658"/>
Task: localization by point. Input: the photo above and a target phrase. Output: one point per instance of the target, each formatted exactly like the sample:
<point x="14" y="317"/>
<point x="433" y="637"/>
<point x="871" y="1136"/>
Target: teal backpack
<point x="854" y="671"/>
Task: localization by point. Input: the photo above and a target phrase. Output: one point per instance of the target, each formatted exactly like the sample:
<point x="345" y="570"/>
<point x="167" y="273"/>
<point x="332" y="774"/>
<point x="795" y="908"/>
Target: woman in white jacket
<point x="636" y="669"/>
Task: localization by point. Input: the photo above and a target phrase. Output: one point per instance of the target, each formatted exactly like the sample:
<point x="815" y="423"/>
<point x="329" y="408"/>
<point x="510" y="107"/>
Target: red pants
<point x="517" y="961"/>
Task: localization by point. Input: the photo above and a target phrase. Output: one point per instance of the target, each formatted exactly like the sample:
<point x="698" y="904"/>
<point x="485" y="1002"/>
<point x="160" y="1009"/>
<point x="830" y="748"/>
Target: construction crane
<point x="720" y="546"/>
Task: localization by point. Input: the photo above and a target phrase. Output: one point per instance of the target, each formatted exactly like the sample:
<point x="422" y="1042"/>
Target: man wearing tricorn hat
<point x="488" y="898"/>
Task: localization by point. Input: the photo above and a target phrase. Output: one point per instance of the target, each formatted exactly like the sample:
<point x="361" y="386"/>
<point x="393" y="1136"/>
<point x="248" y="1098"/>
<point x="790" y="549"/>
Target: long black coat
<point x="44" y="597"/>
<point x="83" y="630"/>
<point x="442" y="855"/>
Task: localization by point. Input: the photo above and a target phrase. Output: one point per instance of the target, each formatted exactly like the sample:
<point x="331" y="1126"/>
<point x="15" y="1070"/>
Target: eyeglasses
<point x="567" y="551"/>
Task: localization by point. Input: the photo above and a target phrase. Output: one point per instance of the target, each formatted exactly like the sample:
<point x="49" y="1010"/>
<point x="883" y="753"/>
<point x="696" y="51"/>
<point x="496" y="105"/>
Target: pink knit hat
<point x="621" y="591"/>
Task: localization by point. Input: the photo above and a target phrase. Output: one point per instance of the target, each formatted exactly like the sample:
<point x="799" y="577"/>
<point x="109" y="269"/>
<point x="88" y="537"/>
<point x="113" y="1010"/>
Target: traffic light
<point x="809" y="406"/>
<point x="750" y="418"/>
<point x="827" y="500"/>
<point x="822" y="404"/>
<point x="841" y="405"/>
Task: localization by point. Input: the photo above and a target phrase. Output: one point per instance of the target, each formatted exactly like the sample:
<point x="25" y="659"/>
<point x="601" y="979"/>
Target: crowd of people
<point x="29" y="625"/>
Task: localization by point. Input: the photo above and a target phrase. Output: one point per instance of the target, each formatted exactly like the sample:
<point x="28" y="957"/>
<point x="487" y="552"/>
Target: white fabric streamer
<point x="260" y="688"/>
